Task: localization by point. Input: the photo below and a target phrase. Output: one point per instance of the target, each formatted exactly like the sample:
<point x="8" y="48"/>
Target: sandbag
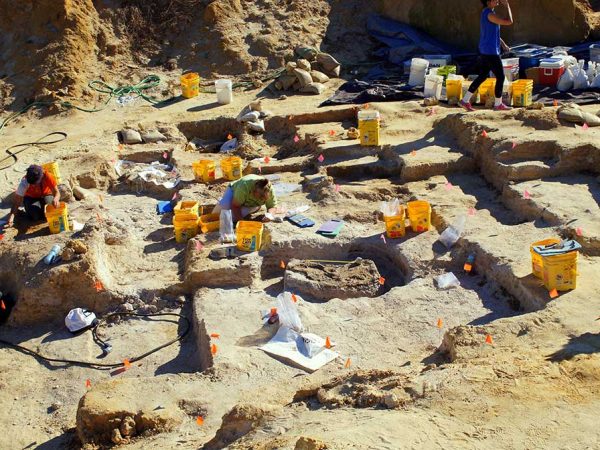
<point x="153" y="136"/>
<point x="319" y="77"/>
<point x="309" y="53"/>
<point x="330" y="65"/>
<point x="303" y="76"/>
<point x="303" y="64"/>
<point x="591" y="119"/>
<point x="129" y="136"/>
<point x="313" y="88"/>
<point x="290" y="67"/>
<point x="596" y="82"/>
<point x="580" y="79"/>
<point x="570" y="114"/>
<point x="287" y="81"/>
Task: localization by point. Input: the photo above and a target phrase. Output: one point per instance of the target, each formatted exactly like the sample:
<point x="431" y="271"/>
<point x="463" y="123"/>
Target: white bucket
<point x="224" y="91"/>
<point x="418" y="69"/>
<point x="433" y="86"/>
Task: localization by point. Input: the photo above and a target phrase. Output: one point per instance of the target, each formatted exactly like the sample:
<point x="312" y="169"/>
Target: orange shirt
<point x="46" y="187"/>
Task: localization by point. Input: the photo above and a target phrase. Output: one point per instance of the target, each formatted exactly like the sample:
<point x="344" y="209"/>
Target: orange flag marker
<point x="331" y="133"/>
<point x="98" y="286"/>
<point x="200" y="420"/>
<point x="282" y="264"/>
<point x="126" y="364"/>
<point x="267" y="160"/>
<point x="327" y="342"/>
<point x="294" y="298"/>
<point x="229" y="137"/>
<point x="484" y="134"/>
<point x="2" y="305"/>
<point x="273" y="312"/>
<point x="1" y="236"/>
<point x="440" y="324"/>
<point x="215" y="335"/>
<point x="88" y="383"/>
<point x="381" y="281"/>
<point x="348" y="363"/>
<point x="468" y="267"/>
<point x="213" y="349"/>
<point x="555" y="103"/>
<point x="553" y="293"/>
<point x="367" y="106"/>
<point x="488" y="339"/>
<point x="413" y="153"/>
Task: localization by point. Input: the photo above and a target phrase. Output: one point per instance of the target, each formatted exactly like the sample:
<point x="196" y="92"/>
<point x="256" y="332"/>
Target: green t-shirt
<point x="243" y="192"/>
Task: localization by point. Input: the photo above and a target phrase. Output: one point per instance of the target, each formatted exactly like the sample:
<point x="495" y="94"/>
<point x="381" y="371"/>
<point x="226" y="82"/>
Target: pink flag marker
<point x="260" y="169"/>
<point x="296" y="138"/>
<point x="321" y="158"/>
<point x="174" y="196"/>
<point x="514" y="144"/>
<point x="471" y="211"/>
<point x="165" y="155"/>
<point x="337" y="188"/>
<point x="585" y="127"/>
<point x="526" y="195"/>
<point x="484" y="134"/>
<point x="383" y="239"/>
<point x="448" y="186"/>
<point x="267" y="160"/>
<point x="199" y="246"/>
<point x="579" y="231"/>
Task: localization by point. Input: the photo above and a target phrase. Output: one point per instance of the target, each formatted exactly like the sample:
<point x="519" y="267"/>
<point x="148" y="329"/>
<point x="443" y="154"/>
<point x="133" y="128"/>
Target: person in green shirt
<point x="246" y="196"/>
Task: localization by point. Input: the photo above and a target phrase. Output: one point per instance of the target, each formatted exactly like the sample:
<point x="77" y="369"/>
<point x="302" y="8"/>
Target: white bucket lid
<point x="368" y="114"/>
<point x="418" y="62"/>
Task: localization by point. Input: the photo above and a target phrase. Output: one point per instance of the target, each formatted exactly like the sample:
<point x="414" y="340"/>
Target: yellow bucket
<point x="190" y="85"/>
<point x="249" y="235"/>
<point x="186" y="210"/>
<point x="522" y="91"/>
<point x="58" y="218"/>
<point x="395" y="226"/>
<point x="537" y="262"/>
<point x="368" y="127"/>
<point x="232" y="168"/>
<point x="454" y="89"/>
<point x="204" y="170"/>
<point x="560" y="271"/>
<point x="209" y="222"/>
<point x="487" y="89"/>
<point x="419" y="214"/>
<point x="185" y="229"/>
<point x="52" y="167"/>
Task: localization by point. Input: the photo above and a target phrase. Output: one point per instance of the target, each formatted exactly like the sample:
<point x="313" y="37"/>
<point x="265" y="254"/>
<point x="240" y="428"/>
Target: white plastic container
<point x="224" y="91"/>
<point x="418" y="69"/>
<point x="433" y="86"/>
<point x="511" y="68"/>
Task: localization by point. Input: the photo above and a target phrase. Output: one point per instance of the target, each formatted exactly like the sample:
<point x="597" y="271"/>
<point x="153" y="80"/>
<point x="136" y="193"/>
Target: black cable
<point x="13" y="155"/>
<point x="104" y="366"/>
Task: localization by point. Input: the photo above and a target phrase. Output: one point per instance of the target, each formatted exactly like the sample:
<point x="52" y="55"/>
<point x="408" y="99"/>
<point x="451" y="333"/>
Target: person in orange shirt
<point x="37" y="189"/>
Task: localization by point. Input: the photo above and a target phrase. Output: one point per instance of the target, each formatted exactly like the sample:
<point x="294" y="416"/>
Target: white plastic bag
<point x="566" y="81"/>
<point x="288" y="312"/>
<point x="229" y="146"/>
<point x="453" y="232"/>
<point x="390" y="208"/>
<point x="596" y="82"/>
<point x="226" y="230"/>
<point x="309" y="344"/>
<point x="447" y="281"/>
<point x="580" y="79"/>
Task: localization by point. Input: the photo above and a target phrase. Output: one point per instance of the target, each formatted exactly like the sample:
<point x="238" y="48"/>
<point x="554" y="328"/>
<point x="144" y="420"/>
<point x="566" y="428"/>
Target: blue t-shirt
<point x="489" y="41"/>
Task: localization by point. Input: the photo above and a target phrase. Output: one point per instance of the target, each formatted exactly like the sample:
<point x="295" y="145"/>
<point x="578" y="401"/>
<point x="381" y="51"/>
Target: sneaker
<point x="466" y="105"/>
<point x="502" y="107"/>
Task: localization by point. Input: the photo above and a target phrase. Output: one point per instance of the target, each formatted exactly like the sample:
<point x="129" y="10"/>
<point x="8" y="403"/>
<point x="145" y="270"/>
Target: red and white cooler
<point x="551" y="69"/>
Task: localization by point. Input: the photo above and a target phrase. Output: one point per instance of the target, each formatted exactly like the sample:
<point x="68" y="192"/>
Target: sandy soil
<point x="409" y="384"/>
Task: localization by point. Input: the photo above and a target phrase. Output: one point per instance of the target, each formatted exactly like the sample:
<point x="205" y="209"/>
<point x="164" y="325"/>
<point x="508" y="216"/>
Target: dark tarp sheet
<point x="359" y="92"/>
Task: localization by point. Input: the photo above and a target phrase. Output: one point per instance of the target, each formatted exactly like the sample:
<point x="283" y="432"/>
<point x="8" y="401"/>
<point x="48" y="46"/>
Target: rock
<point x="180" y="300"/>
<point x="66" y="194"/>
<point x="313" y="88"/>
<point x="116" y="438"/>
<point x="430" y="101"/>
<point x="306" y="443"/>
<point x="303" y="64"/>
<point x="55" y="406"/>
<point x="282" y="97"/>
<point x="68" y="254"/>
<point x="319" y="77"/>
<point x="391" y="401"/>
<point x="536" y="105"/>
<point x="80" y="193"/>
<point x="106" y="406"/>
<point x="308" y="53"/>
<point x="171" y="64"/>
<point x="256" y="106"/>
<point x="127" y="427"/>
<point x="148" y="309"/>
<point x="303" y="77"/>
<point x="153" y="136"/>
<point x="78" y="246"/>
<point x="129" y="136"/>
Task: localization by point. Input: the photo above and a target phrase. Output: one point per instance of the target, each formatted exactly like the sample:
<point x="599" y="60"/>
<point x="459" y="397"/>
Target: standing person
<point x="37" y="189"/>
<point x="490" y="45"/>
<point x="246" y="196"/>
